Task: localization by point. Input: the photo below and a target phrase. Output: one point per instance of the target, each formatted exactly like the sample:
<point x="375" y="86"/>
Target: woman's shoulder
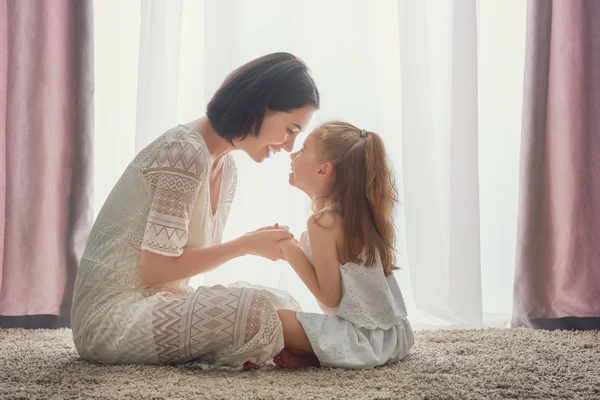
<point x="183" y="138"/>
<point x="231" y="162"/>
<point x="179" y="149"/>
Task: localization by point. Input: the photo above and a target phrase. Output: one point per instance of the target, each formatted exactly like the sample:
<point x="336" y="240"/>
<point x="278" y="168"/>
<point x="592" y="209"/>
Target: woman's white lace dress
<point x="162" y="204"/>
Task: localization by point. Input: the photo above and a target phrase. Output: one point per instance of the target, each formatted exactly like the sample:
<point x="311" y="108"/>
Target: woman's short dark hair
<point x="276" y="82"/>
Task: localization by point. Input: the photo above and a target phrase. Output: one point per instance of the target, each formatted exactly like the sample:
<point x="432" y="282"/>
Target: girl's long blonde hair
<point x="364" y="192"/>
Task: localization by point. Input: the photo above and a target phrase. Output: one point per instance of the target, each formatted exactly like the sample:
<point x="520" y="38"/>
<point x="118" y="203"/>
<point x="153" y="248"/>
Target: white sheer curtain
<point x="441" y="81"/>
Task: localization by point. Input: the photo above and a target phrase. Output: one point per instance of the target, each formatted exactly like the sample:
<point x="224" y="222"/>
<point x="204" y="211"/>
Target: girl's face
<point x="307" y="168"/>
<point x="278" y="131"/>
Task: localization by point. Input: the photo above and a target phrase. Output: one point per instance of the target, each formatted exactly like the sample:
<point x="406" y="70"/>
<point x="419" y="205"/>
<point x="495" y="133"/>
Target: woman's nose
<point x="288" y="145"/>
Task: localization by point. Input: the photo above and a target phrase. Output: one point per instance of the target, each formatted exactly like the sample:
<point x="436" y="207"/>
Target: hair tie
<point x="363" y="134"/>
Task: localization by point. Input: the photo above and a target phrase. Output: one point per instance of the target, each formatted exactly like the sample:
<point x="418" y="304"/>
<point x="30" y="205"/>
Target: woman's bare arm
<point x="157" y="269"/>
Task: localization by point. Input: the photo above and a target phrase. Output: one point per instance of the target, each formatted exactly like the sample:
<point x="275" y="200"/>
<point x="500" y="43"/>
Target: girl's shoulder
<point x="326" y="226"/>
<point x="326" y="231"/>
<point x="326" y="219"/>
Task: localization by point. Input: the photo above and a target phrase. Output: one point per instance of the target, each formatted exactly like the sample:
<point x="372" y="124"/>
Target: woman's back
<point x="146" y="210"/>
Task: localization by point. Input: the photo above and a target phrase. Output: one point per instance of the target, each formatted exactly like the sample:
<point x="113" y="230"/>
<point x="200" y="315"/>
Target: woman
<point x="163" y="223"/>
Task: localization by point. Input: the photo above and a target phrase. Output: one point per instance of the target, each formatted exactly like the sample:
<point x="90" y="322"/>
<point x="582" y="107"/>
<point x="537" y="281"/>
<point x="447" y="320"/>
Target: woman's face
<point x="278" y="131"/>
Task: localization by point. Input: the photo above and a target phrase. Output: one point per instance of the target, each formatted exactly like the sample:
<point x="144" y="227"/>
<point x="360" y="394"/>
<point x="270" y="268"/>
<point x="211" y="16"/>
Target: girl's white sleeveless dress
<point x="368" y="328"/>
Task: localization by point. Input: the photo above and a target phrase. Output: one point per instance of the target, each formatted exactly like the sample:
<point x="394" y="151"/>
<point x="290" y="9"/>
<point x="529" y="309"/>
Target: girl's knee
<point x="287" y="315"/>
<point x="288" y="321"/>
<point x="294" y="336"/>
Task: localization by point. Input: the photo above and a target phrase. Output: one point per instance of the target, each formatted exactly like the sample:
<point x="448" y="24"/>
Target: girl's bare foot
<point x="249" y="365"/>
<point x="289" y="360"/>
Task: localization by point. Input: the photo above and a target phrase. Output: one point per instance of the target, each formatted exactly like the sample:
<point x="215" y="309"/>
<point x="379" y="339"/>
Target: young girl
<point x="346" y="257"/>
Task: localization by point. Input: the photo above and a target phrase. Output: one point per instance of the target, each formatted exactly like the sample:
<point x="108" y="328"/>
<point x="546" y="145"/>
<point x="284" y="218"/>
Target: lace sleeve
<point x="175" y="175"/>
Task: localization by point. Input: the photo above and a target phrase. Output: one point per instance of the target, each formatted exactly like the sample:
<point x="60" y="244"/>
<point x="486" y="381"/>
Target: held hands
<point x="287" y="245"/>
<point x="277" y="226"/>
<point x="264" y="242"/>
<point x="271" y="227"/>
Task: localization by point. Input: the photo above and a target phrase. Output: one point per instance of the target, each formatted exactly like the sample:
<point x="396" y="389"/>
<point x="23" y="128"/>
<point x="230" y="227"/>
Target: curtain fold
<point x="464" y="256"/>
<point x="557" y="279"/>
<point x="3" y="103"/>
<point x="46" y="100"/>
<point x="158" y="69"/>
<point x="440" y="163"/>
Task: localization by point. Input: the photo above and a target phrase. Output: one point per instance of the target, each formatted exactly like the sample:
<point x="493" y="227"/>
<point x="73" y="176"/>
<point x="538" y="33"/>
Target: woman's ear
<point x="325" y="171"/>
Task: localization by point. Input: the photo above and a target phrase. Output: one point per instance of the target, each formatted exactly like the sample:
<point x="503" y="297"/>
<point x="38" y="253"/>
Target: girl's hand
<point x="270" y="227"/>
<point x="265" y="242"/>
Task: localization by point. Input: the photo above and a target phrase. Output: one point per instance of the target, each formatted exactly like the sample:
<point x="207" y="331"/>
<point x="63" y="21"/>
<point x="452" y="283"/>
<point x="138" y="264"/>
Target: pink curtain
<point x="46" y="95"/>
<point x="557" y="279"/>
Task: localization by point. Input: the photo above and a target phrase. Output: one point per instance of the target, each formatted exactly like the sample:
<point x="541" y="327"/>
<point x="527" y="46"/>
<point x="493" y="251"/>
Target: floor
<point x="474" y="364"/>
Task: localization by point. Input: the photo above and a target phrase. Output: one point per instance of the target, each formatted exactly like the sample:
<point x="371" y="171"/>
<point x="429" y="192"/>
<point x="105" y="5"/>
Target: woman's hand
<point x="265" y="242"/>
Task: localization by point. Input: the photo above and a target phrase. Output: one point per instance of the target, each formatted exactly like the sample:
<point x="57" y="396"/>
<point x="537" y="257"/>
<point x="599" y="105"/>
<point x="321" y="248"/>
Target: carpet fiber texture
<point x="471" y="364"/>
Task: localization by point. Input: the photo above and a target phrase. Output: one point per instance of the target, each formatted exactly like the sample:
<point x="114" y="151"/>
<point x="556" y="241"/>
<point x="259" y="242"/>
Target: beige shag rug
<point x="474" y="364"/>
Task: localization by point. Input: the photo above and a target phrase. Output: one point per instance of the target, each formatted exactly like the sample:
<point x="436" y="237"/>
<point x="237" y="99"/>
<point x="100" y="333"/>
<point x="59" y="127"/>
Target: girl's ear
<point x="325" y="171"/>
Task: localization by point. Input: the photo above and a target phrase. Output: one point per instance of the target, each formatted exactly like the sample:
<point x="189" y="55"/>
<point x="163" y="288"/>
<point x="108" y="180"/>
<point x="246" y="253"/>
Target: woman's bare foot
<point x="289" y="360"/>
<point x="249" y="365"/>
